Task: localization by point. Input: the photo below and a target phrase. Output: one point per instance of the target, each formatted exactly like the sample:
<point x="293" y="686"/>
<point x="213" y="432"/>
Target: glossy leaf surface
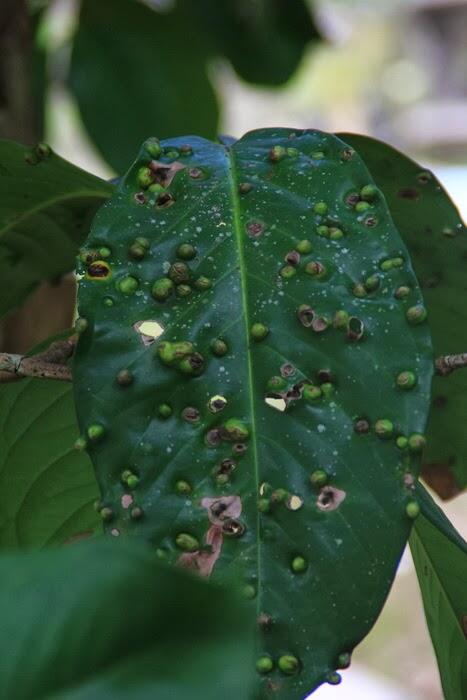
<point x="98" y="620"/>
<point x="45" y="212"/>
<point x="236" y="382"/>
<point x="47" y="488"/>
<point x="436" y="238"/>
<point x="440" y="557"/>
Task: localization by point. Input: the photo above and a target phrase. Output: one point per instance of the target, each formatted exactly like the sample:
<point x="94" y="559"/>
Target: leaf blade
<point x="440" y="558"/>
<point x="45" y="212"/>
<point x="437" y="240"/>
<point x="242" y="247"/>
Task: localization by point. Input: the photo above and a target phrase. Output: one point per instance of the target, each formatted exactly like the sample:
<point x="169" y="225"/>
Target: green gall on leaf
<point x="106" y="514"/>
<point x="416" y="442"/>
<point x="183" y="290"/>
<point x="402" y="442"/>
<point x="264" y="664"/>
<point x="136" y="513"/>
<point x="183" y="488"/>
<point x="402" y="292"/>
<point x="137" y="252"/>
<point x="372" y="283"/>
<point x="95" y="432"/>
<point x="259" y="331"/>
<point x="156" y="188"/>
<point x="187" y="542"/>
<point x="124" y="377"/>
<point x="202" y="283"/>
<point x="361" y="207"/>
<point x="384" y="428"/>
<point x="104" y="252"/>
<point x="287" y="272"/>
<point x="311" y="392"/>
<point x="132" y="481"/>
<point x="264" y="505"/>
<point x="368" y="193"/>
<point x="319" y="478"/>
<point x="416" y="314"/>
<point x="234" y="430"/>
<point x="341" y="320"/>
<point x="164" y="410"/>
<point x="162" y="289"/>
<point x="80" y="444"/>
<point x="128" y="285"/>
<point x="81" y="325"/>
<point x="277" y="153"/>
<point x="299" y="565"/>
<point x="333" y="678"/>
<point x="153" y="147"/>
<point x="412" y="509"/>
<point x="288" y="664"/>
<point x="144" y="177"/>
<point x="219" y="347"/>
<point x="304" y="246"/>
<point x="276" y="383"/>
<point x="316" y="269"/>
<point x="406" y="380"/>
<point x="186" y="251"/>
<point x="344" y="660"/>
<point x="320" y="208"/>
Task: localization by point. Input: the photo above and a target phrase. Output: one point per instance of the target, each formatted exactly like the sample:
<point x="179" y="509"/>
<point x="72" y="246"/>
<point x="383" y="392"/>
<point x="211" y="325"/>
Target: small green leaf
<point x="47" y="488"/>
<point x="136" y="72"/>
<point x="265" y="40"/>
<point x="440" y="557"/>
<point x="106" y="620"/>
<point x="256" y="426"/>
<point x="436" y="237"/>
<point x="45" y="211"/>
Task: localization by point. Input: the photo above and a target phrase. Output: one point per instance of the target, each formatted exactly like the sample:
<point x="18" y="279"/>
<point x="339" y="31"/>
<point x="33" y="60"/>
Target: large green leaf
<point x="45" y="211"/>
<point x="135" y="71"/>
<point x="101" y="621"/>
<point x="440" y="557"/>
<point x="437" y="240"/>
<point x="47" y="488"/>
<point x="171" y="423"/>
<point x="264" y="39"/>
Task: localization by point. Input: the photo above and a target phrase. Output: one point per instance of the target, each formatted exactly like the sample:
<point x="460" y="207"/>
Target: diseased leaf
<point x="98" y="620"/>
<point x="47" y="488"/>
<point x="264" y="39"/>
<point x="440" y="557"/>
<point x="436" y="238"/>
<point x="251" y="386"/>
<point x="135" y="71"/>
<point x="45" y="212"/>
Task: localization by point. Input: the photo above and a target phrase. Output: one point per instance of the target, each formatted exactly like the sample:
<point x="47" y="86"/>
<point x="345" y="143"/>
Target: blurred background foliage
<point x="94" y="78"/>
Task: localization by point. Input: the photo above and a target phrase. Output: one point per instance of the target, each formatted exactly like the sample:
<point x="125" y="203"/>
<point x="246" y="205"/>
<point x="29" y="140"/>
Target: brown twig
<point x="50" y="364"/>
<point x="449" y="363"/>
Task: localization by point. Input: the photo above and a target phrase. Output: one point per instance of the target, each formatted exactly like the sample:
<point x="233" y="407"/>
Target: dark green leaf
<point x="264" y="39"/>
<point x="440" y="557"/>
<point x="436" y="237"/>
<point x="136" y="72"/>
<point x="45" y="212"/>
<point x="47" y="488"/>
<point x="171" y="434"/>
<point x="102" y="621"/>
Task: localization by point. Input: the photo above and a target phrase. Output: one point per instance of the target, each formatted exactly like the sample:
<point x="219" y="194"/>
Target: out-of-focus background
<point x="394" y="69"/>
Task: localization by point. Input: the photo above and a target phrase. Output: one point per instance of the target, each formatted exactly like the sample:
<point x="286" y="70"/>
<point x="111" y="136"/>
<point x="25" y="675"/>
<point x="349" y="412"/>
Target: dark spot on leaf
<point x="409" y="193"/>
<point x="330" y="498"/>
<point x="255" y="228"/>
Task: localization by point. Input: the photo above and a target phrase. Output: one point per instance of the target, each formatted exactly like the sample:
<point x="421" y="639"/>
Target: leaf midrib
<point x="233" y="190"/>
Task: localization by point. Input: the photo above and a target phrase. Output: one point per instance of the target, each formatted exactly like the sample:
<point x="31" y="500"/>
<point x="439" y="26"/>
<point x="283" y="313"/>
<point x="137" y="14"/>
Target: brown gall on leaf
<point x="164" y="173"/>
<point x="330" y="498"/>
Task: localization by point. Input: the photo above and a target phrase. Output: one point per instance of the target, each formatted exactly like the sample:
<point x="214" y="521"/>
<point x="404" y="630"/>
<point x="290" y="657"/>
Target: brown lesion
<point x="164" y="173"/>
<point x="440" y="477"/>
<point x="222" y="513"/>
